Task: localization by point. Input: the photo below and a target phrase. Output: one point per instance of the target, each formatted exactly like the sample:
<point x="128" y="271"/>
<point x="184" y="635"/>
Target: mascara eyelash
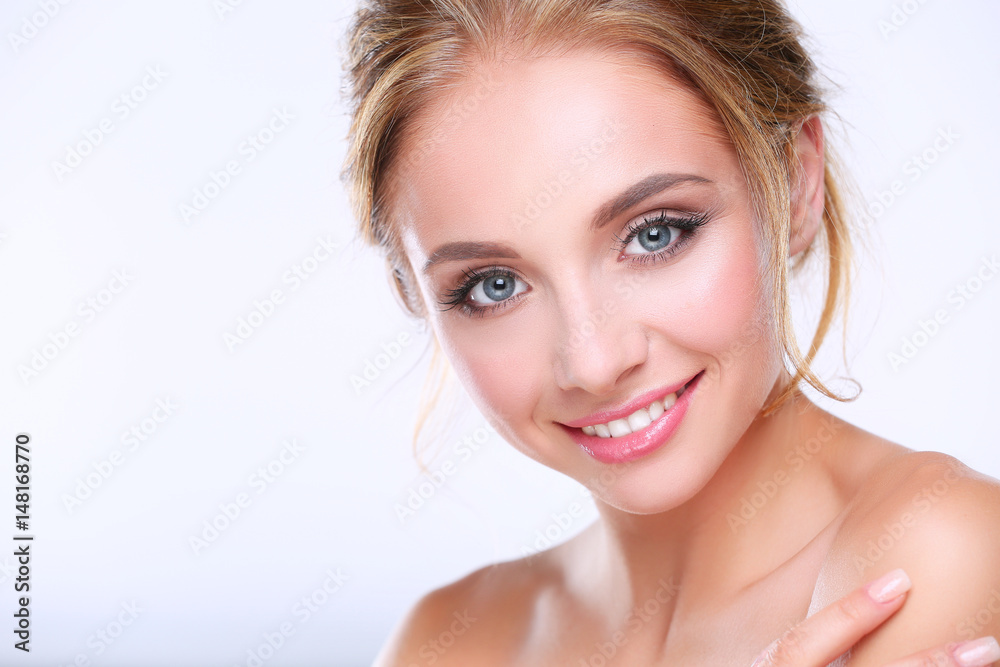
<point x="456" y="297"/>
<point x="688" y="224"/>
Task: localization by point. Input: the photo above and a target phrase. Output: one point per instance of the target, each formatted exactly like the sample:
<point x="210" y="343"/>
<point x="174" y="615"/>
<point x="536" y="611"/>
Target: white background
<point x="162" y="336"/>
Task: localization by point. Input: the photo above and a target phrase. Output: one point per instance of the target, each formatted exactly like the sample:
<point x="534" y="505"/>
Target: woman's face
<point x="582" y="236"/>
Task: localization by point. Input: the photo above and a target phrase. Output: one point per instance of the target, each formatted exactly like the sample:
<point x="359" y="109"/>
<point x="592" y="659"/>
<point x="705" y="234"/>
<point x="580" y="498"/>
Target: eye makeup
<point x="649" y="227"/>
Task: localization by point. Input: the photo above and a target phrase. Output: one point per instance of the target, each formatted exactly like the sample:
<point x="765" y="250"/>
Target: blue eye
<point x="485" y="290"/>
<point x="494" y="288"/>
<point x="647" y="239"/>
<point x="652" y="239"/>
<point x="658" y="236"/>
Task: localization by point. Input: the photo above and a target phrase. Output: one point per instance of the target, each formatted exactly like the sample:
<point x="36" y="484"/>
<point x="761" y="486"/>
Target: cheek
<point x="499" y="369"/>
<point x="722" y="307"/>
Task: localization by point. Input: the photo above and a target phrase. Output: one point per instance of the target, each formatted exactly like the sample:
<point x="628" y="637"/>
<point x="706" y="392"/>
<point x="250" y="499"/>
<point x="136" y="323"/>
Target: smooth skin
<point x="740" y="527"/>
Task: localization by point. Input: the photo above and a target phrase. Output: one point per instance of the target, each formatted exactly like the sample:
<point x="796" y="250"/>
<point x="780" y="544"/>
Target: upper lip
<point x="622" y="411"/>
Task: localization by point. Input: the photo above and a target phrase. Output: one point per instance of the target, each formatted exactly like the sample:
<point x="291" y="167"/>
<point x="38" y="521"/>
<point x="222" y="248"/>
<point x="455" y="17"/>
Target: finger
<point x="828" y="633"/>
<point x="980" y="652"/>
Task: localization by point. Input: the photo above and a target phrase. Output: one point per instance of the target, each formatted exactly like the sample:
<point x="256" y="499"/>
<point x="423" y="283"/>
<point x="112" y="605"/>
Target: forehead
<point x="546" y="135"/>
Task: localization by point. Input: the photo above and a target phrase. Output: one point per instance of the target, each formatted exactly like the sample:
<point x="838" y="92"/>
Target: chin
<point x="655" y="486"/>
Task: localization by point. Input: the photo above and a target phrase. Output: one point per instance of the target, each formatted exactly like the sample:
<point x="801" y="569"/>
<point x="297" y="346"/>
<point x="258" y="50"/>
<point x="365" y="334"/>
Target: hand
<point x="830" y="632"/>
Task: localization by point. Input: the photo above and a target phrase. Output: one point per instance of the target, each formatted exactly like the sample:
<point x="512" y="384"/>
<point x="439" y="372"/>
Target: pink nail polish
<point x="889" y="586"/>
<point x="977" y="653"/>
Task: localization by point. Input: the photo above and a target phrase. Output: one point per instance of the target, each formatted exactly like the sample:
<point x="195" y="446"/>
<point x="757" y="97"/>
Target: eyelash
<point x="457" y="296"/>
<point x="687" y="224"/>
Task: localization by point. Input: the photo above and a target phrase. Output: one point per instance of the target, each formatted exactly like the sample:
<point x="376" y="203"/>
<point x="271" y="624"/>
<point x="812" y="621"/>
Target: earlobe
<point x="809" y="195"/>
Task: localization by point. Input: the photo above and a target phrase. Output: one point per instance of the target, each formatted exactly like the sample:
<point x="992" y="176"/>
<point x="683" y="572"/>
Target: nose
<point x="599" y="345"/>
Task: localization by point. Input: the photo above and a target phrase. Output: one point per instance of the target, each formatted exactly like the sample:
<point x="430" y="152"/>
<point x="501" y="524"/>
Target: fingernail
<point x="889" y="586"/>
<point x="978" y="653"/>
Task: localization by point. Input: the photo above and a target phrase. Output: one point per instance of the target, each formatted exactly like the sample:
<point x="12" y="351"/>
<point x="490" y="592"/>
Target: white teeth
<point x="639" y="420"/>
<point x="618" y="428"/>
<point x="636" y="421"/>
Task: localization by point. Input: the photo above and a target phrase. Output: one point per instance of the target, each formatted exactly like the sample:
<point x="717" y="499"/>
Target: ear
<point x="809" y="195"/>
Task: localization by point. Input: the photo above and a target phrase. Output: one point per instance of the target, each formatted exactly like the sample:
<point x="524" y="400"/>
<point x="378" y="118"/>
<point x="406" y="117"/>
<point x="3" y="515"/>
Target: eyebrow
<point x="639" y="192"/>
<point x="632" y="195"/>
<point x="451" y="252"/>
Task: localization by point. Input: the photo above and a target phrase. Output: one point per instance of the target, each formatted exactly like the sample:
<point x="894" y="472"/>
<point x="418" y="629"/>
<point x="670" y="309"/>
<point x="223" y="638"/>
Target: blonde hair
<point x="744" y="57"/>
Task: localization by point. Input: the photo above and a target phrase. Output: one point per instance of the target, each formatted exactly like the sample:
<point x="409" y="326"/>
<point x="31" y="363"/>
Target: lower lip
<point x="642" y="443"/>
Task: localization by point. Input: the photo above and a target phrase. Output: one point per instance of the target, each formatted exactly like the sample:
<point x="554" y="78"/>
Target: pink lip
<point x="635" y="445"/>
<point x="642" y="401"/>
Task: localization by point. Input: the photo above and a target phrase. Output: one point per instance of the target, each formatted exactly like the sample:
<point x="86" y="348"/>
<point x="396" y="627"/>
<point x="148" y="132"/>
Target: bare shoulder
<point x="482" y="618"/>
<point x="939" y="520"/>
<point x="925" y="492"/>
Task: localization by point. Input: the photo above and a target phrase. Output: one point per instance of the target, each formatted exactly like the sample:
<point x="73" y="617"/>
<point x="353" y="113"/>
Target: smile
<point x="628" y="433"/>
<point x="636" y="421"/>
